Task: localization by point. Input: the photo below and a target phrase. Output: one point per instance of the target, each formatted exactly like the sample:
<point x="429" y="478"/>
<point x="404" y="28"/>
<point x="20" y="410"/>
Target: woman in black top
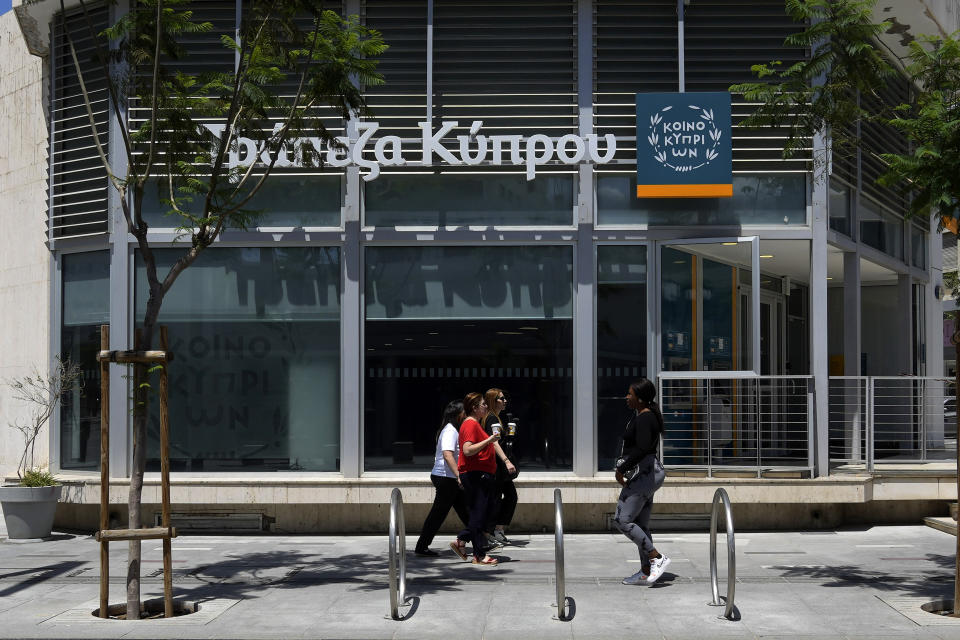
<point x="640" y="443"/>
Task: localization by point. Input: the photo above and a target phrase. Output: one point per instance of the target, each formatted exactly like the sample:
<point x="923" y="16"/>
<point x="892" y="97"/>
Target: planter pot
<point x="29" y="511"/>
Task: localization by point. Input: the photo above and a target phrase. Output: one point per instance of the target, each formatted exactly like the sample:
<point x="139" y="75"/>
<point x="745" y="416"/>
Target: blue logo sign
<point x="683" y="145"/>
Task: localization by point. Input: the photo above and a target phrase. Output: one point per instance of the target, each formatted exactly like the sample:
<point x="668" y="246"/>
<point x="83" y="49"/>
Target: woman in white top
<point x="446" y="479"/>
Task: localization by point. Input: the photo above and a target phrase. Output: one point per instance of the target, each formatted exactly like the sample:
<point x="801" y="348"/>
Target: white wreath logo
<point x="660" y="153"/>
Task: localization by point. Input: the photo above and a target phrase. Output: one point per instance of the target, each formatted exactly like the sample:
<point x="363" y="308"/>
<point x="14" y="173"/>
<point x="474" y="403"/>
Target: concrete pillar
<point x="819" y="353"/>
<point x="851" y="314"/>
<point x="584" y="375"/>
<point x="904" y="324"/>
<point x="351" y="315"/>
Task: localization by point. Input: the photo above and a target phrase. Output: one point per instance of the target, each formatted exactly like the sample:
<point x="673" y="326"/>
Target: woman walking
<point x="477" y="465"/>
<point x="640" y="474"/>
<point x="504" y="500"/>
<point x="446" y="479"/>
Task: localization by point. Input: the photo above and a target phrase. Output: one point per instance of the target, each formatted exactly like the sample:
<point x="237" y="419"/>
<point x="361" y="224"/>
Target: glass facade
<point x="762" y="199"/>
<point x="255" y="384"/>
<point x="621" y="340"/>
<point x="881" y="230"/>
<point x="336" y="350"/>
<point x="85" y="281"/>
<point x="444" y="321"/>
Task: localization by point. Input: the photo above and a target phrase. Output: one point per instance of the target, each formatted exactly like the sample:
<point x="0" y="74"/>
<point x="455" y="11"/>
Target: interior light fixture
<point x="509" y="333"/>
<point x="729" y="244"/>
<point x="829" y="278"/>
<point x="767" y="255"/>
<point x="529" y="328"/>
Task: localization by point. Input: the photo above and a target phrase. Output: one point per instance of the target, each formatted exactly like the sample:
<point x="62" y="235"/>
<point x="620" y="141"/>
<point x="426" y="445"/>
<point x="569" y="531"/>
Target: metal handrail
<point x="721" y="496"/>
<point x="558" y="555"/>
<point x="397" y="555"/>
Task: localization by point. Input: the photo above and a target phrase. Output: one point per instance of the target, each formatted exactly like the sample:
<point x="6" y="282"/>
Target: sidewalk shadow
<point x="245" y="576"/>
<point x="924" y="585"/>
<point x="36" y="575"/>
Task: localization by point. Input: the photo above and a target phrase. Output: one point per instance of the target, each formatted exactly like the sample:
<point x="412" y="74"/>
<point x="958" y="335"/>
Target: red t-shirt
<point x="486" y="460"/>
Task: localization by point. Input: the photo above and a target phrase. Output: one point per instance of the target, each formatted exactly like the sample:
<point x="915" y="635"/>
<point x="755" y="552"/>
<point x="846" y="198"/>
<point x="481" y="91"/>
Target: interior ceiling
<point x="791" y="258"/>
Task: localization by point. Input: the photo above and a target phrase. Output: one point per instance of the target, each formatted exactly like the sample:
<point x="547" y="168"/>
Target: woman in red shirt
<point x="477" y="466"/>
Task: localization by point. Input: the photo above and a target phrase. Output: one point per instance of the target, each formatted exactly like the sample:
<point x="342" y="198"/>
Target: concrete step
<point x="945" y="524"/>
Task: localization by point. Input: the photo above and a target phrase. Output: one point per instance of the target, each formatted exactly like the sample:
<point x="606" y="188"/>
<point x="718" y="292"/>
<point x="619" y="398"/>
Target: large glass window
<point x="918" y="247"/>
<point x="86" y="306"/>
<point x="881" y="230"/>
<point x="839" y="207"/>
<point x="621" y="340"/>
<point x="255" y="383"/>
<point x="486" y="199"/>
<point x="762" y="199"/>
<point x="445" y="321"/>
<point x="283" y="201"/>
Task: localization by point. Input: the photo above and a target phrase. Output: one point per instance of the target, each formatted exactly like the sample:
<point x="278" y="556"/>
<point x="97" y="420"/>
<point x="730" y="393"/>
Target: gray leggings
<point x="633" y="517"/>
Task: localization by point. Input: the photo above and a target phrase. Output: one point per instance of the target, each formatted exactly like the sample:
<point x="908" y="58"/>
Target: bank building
<point x="515" y="213"/>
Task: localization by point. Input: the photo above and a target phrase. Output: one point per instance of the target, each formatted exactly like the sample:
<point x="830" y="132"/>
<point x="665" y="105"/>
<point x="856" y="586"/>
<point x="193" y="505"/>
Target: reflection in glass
<point x="767" y="199"/>
<point x="86" y="306"/>
<point x="839" y="207"/>
<point x="255" y="384"/>
<point x="283" y="201"/>
<point x="444" y="321"/>
<point x="621" y="340"/>
<point x="918" y="247"/>
<point x="486" y="199"/>
<point x="881" y="230"/>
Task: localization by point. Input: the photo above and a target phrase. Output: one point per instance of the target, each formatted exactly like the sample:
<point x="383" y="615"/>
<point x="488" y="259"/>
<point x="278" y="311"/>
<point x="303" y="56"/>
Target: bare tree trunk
<point x="139" y="456"/>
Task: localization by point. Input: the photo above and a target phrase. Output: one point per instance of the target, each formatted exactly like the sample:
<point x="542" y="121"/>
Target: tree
<point x="825" y="94"/>
<point x="292" y="57"/>
<point x="821" y="95"/>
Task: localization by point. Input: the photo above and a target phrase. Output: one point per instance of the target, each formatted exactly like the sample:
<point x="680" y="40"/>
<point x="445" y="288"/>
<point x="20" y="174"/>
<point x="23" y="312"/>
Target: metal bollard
<point x="721" y="496"/>
<point x="558" y="555"/>
<point x="397" y="555"/>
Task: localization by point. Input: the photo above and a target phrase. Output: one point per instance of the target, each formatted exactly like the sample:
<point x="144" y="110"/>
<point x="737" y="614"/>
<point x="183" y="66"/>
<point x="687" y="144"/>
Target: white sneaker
<point x="657" y="567"/>
<point x="638" y="578"/>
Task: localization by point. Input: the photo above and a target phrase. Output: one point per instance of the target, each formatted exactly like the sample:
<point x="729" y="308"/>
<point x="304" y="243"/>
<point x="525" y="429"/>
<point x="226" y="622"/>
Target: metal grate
<point x="78" y="181"/>
<point x="756" y="424"/>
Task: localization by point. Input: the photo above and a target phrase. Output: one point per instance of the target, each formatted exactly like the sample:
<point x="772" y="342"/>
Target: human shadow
<point x="36" y="575"/>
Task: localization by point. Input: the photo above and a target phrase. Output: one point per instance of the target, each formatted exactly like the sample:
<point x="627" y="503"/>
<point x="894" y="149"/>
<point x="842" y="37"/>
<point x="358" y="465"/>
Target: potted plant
<point x="30" y="505"/>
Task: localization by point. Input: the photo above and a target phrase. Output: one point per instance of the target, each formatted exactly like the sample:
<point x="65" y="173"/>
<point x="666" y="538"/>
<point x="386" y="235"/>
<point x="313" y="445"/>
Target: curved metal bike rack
<point x="720" y="496"/>
<point x="398" y="556"/>
<point x="558" y="555"/>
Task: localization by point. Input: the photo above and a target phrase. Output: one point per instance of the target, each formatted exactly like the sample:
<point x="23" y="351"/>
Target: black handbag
<point x="628" y="474"/>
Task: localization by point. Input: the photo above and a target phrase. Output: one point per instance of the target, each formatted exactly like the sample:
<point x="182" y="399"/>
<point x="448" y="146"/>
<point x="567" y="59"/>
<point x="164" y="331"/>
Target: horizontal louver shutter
<point x="78" y="180"/>
<point x="877" y="138"/>
<point x="723" y="39"/>
<point x="401" y="102"/>
<point x="636" y="51"/>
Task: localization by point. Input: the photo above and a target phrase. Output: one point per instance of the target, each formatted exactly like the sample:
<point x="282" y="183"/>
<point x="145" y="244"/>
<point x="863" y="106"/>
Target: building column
<point x="855" y="413"/>
<point x="851" y="313"/>
<point x="934" y="306"/>
<point x="905" y="322"/>
<point x="584" y="355"/>
<point x="121" y="284"/>
<point x="351" y="314"/>
<point x="819" y="351"/>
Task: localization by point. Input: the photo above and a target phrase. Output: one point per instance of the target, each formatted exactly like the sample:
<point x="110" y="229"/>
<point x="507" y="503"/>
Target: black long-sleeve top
<point x="640" y="438"/>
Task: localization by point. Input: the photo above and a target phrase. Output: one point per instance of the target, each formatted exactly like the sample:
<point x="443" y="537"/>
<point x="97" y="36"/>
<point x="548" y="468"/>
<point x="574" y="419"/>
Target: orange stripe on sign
<point x="684" y="190"/>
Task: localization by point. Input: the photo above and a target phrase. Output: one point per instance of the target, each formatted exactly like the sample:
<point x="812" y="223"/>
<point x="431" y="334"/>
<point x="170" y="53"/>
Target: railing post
<point x="709" y="429"/>
<point x="811" y="432"/>
<point x="871" y="414"/>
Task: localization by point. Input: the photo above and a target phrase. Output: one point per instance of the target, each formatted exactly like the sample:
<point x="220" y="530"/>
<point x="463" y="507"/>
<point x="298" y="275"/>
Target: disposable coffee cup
<point x="511" y="428"/>
<point x="496" y="429"/>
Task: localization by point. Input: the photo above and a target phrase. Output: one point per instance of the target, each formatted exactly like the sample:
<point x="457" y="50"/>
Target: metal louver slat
<point x="78" y="182"/>
<point x="635" y="51"/>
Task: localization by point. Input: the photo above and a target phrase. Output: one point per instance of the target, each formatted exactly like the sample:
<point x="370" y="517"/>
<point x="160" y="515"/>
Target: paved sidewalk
<point x="850" y="583"/>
